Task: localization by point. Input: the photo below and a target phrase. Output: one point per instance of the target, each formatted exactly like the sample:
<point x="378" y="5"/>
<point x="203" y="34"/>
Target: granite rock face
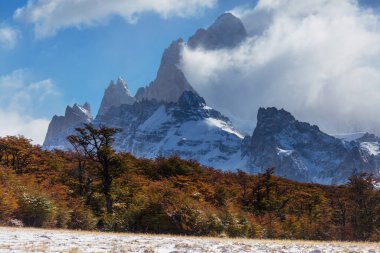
<point x="115" y="95"/>
<point x="302" y="152"/>
<point x="62" y="126"/>
<point x="227" y="32"/>
<point x="170" y="82"/>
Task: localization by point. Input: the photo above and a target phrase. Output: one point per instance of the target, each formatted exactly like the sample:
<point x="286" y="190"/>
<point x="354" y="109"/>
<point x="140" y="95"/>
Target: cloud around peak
<point x="318" y="59"/>
<point x="50" y="16"/>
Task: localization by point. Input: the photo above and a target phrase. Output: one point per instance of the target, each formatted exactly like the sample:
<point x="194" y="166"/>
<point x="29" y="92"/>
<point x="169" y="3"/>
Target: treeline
<point x="93" y="187"/>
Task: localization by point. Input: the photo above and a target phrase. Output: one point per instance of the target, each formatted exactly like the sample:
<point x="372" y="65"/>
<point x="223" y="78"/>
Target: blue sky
<point x="75" y="63"/>
<point x="81" y="62"/>
<point x="325" y="54"/>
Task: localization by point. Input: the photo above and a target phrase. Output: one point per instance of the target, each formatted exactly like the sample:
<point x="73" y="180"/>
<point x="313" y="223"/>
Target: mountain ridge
<point x="169" y="117"/>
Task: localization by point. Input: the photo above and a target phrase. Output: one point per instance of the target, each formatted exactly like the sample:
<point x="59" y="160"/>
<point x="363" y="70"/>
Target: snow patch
<point x="156" y="120"/>
<point x="372" y="148"/>
<point x="224" y="126"/>
<point x="283" y="152"/>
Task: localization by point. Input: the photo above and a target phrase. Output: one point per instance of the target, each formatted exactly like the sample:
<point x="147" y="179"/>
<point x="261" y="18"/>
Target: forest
<point x="93" y="187"/>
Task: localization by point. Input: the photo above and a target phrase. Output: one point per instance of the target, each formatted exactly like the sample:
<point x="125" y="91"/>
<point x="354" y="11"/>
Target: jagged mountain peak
<point x="87" y="106"/>
<point x="226" y="32"/>
<point x="227" y="20"/>
<point x="170" y="118"/>
<point x="119" y="86"/>
<point x="170" y="82"/>
<point x="116" y="94"/>
<point x="81" y="111"/>
<point x="303" y="152"/>
<point x="272" y="115"/>
<point x="62" y="126"/>
<point x="171" y="54"/>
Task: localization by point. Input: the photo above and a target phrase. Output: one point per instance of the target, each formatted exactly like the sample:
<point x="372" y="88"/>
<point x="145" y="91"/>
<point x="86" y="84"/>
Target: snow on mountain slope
<point x="192" y="130"/>
<point x="188" y="129"/>
<point x="373" y="148"/>
<point x="302" y="152"/>
<point x="168" y="117"/>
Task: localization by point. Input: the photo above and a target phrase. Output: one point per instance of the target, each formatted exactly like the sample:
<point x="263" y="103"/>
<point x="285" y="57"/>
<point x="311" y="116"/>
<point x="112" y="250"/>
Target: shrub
<point x="81" y="218"/>
<point x="35" y="210"/>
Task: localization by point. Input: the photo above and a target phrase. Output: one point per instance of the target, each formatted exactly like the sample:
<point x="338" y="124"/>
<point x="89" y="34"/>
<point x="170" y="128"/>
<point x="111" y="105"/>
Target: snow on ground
<point x="35" y="240"/>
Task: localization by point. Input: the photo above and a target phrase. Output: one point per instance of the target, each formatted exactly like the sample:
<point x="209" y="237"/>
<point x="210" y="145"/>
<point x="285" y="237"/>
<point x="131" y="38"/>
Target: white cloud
<point x="21" y="100"/>
<point x="13" y="123"/>
<point x="8" y="36"/>
<point x="319" y="59"/>
<point x="49" y="16"/>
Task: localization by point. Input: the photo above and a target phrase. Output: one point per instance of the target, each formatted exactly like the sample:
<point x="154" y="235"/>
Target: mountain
<point x="227" y="32"/>
<point x="302" y="152"/>
<point x="169" y="117"/>
<point x="170" y="83"/>
<point x="188" y="128"/>
<point x="115" y="95"/>
<point x="62" y="126"/>
<point x="192" y="130"/>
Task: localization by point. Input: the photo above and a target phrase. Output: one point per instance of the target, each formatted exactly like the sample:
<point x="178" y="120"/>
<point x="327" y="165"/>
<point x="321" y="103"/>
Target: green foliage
<point x="81" y="218"/>
<point x="35" y="210"/>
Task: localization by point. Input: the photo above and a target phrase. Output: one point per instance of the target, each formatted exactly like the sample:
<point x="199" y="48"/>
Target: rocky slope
<point x="62" y="126"/>
<point x="170" y="82"/>
<point x="302" y="152"/>
<point x="188" y="128"/>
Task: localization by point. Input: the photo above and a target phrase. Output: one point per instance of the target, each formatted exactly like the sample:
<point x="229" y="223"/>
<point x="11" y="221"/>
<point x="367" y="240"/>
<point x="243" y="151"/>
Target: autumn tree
<point x="16" y="152"/>
<point x="96" y="144"/>
<point x="364" y="202"/>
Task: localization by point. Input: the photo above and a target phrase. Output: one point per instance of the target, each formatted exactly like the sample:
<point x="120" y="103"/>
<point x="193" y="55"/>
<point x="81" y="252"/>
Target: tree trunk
<point x="109" y="204"/>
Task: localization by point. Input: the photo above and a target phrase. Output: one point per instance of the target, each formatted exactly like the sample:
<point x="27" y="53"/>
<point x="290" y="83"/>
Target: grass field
<point x="39" y="240"/>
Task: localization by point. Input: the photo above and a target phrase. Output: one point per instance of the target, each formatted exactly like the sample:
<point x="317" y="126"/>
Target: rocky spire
<point x="227" y="31"/>
<point x="115" y="95"/>
<point x="170" y="82"/>
<point x="60" y="126"/>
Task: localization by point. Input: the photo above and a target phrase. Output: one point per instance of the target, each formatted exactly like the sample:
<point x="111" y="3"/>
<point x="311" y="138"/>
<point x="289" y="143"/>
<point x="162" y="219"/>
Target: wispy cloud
<point x="8" y="36"/>
<point x="50" y="16"/>
<point x="320" y="59"/>
<point x="21" y="99"/>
